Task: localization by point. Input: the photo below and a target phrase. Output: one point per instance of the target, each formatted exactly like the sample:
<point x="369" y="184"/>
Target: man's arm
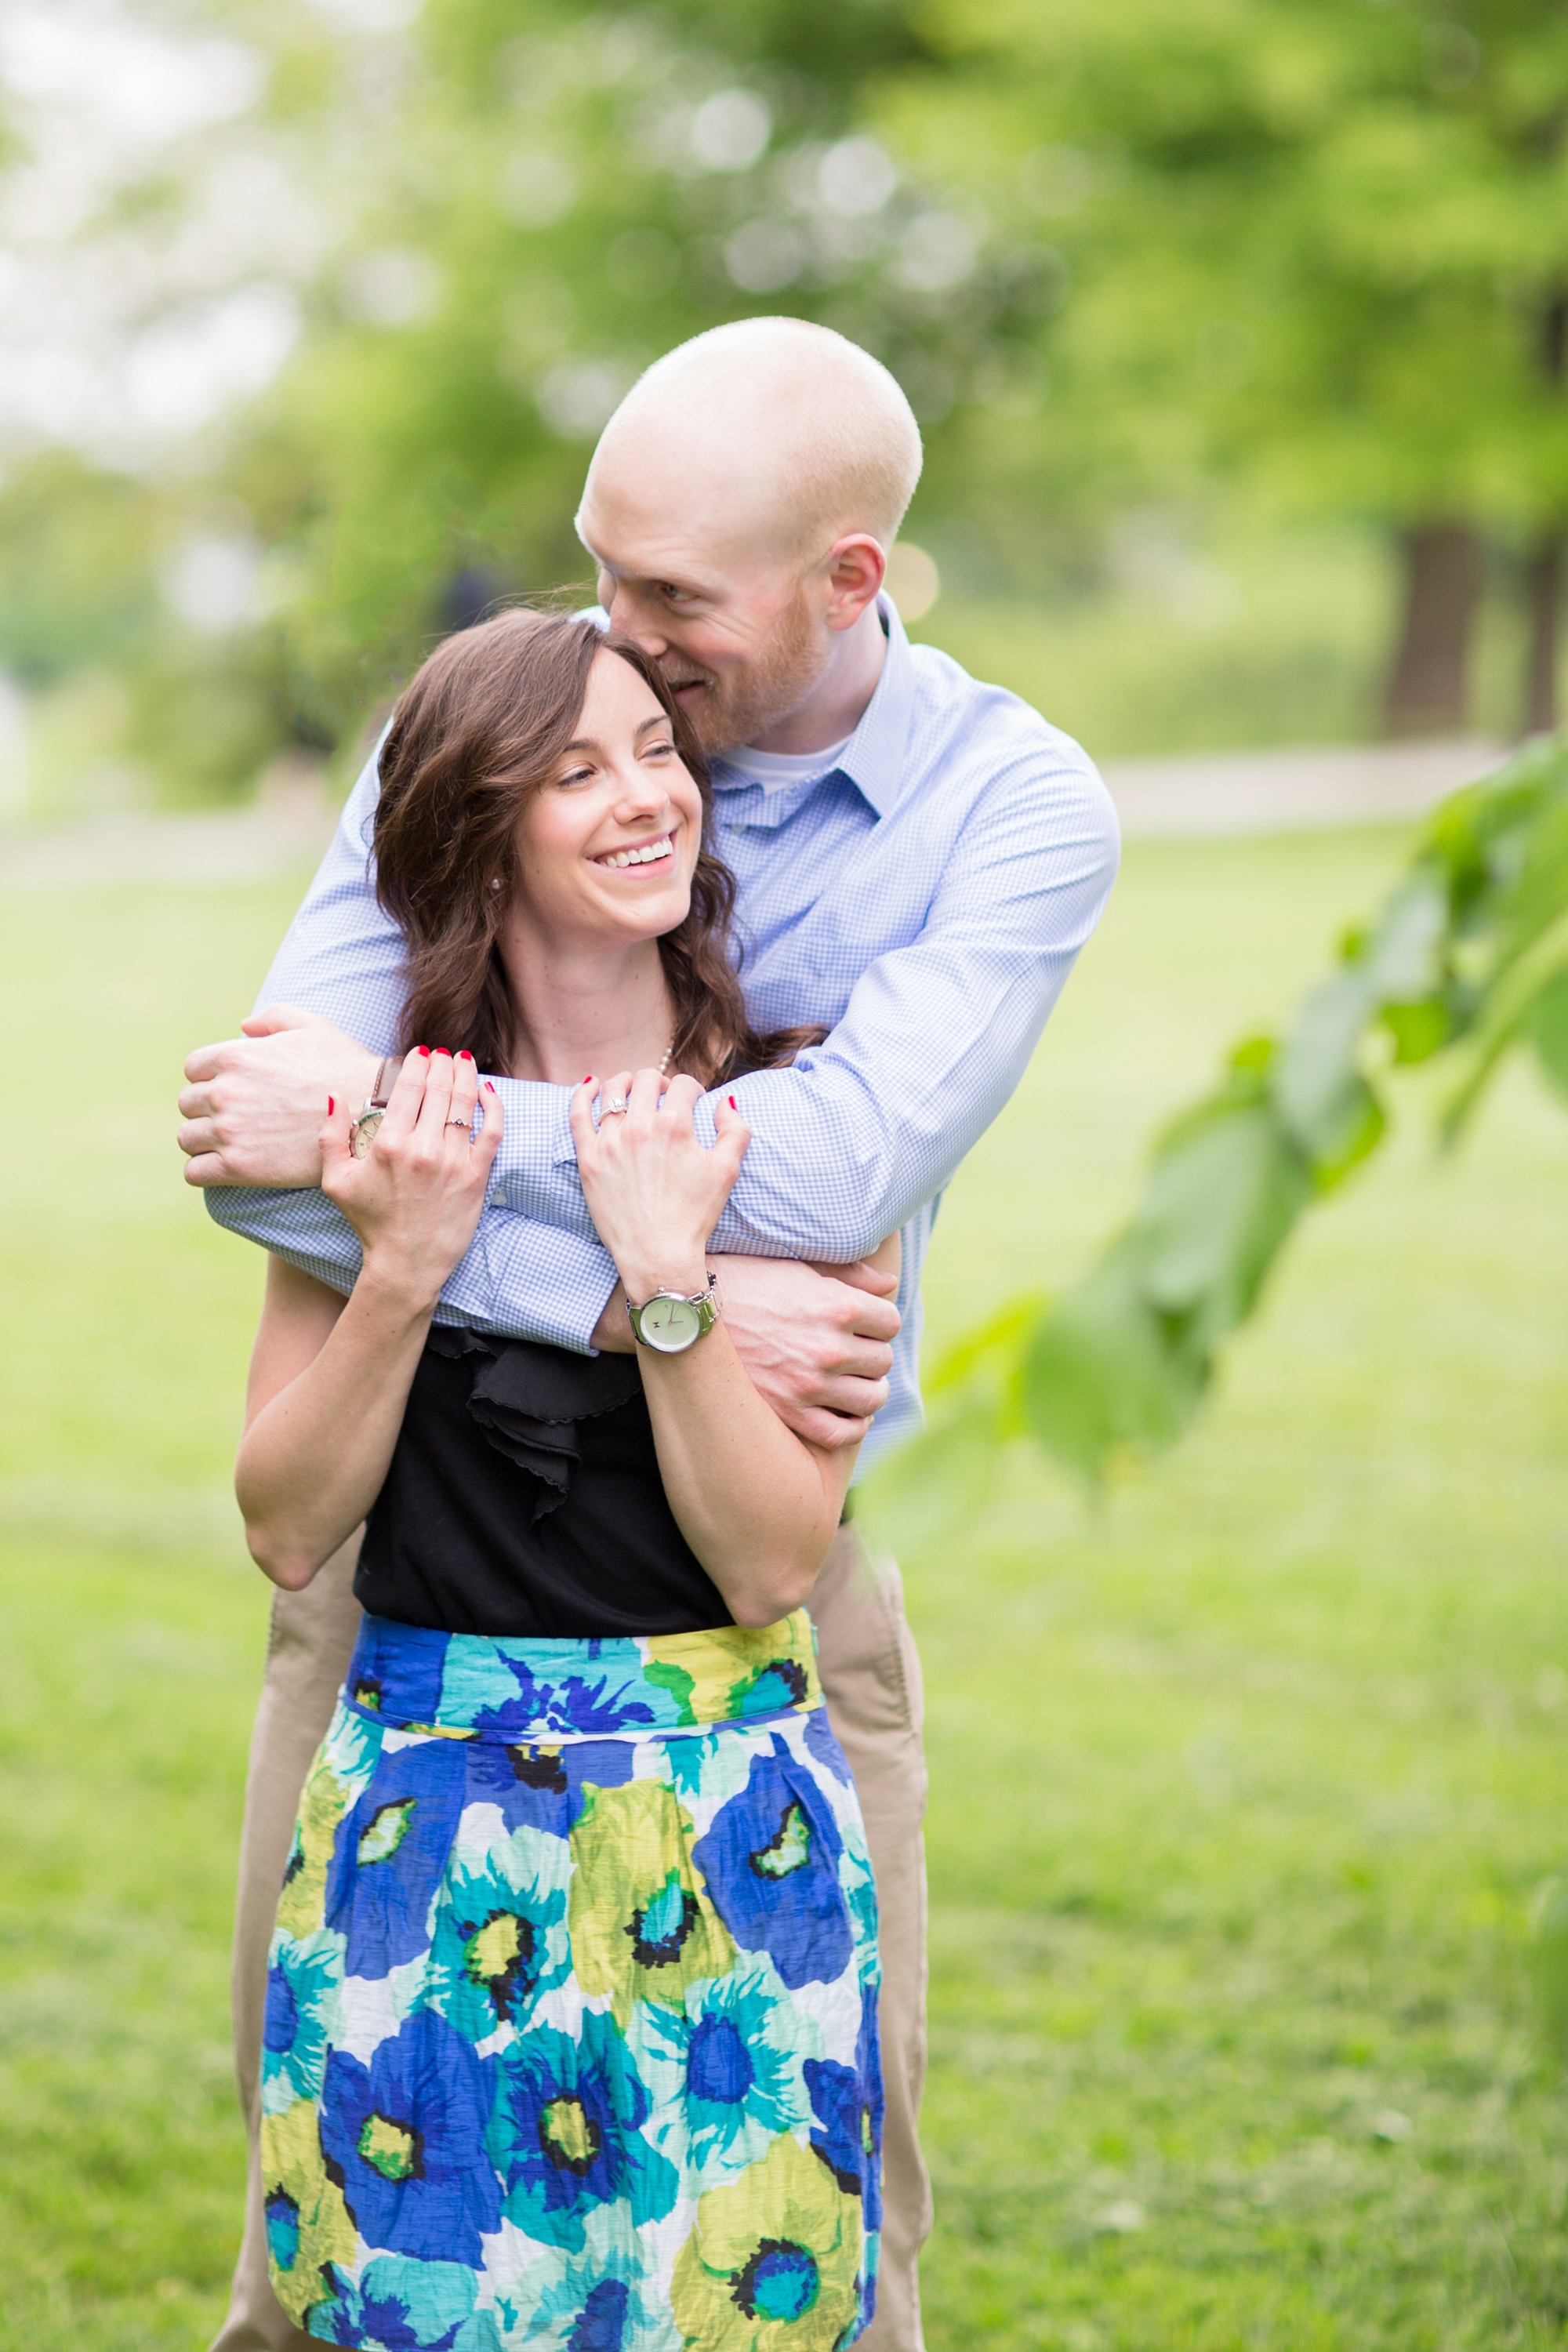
<point x="851" y="1140"/>
<point x="847" y="1144"/>
<point x="818" y="1350"/>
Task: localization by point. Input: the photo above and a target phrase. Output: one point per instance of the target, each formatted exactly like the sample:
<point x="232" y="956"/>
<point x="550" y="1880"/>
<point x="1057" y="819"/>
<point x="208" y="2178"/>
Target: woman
<point x="571" y="2034"/>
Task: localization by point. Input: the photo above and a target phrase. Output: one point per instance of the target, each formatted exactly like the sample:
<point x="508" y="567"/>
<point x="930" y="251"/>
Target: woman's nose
<point x="643" y="794"/>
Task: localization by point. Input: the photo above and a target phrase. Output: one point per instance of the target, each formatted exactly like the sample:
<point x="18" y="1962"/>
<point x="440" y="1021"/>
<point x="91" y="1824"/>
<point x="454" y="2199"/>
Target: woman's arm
<point x="758" y="1505"/>
<point x="330" y="1378"/>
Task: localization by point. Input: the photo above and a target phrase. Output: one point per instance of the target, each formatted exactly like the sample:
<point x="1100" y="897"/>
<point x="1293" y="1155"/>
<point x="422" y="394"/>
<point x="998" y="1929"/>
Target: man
<point x="920" y="859"/>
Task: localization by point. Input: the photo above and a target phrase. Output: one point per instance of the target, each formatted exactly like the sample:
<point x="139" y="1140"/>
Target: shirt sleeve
<point x="851" y="1140"/>
<point x="342" y="957"/>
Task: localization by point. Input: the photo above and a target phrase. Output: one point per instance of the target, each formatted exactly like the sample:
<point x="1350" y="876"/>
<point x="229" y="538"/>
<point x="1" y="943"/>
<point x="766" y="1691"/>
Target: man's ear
<point x="856" y="568"/>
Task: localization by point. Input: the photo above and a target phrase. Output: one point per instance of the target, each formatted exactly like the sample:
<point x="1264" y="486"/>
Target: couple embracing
<point x="658" y="979"/>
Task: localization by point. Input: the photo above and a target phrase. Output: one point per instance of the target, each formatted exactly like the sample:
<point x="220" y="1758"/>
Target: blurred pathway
<point x="1288" y="791"/>
<point x="1216" y="792"/>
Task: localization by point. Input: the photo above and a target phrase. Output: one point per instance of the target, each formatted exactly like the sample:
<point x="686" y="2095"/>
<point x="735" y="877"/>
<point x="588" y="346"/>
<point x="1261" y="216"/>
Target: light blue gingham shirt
<point x="926" y="899"/>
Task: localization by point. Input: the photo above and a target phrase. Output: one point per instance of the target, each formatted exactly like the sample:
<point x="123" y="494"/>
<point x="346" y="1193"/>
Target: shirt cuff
<point x="543" y="1284"/>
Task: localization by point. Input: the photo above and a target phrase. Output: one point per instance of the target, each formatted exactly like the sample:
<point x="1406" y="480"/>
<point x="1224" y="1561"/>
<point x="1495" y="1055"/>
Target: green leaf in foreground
<point x="1469" y="955"/>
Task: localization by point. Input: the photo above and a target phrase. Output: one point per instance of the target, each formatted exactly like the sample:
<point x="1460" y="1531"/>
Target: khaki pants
<point x="870" y="1674"/>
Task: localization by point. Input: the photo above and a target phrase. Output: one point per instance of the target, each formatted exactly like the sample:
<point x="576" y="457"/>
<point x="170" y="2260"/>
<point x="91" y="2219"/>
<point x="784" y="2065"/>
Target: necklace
<point x="664" y="1063"/>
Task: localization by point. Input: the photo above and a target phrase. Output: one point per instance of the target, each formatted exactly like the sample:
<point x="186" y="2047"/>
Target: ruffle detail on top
<point x="529" y="1400"/>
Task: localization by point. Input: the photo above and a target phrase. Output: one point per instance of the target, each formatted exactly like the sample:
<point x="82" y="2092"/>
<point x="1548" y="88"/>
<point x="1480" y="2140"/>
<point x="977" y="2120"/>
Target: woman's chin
<point x="648" y="914"/>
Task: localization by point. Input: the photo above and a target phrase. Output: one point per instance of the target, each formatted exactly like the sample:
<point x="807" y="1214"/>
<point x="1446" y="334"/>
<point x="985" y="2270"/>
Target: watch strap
<point x="373" y="1110"/>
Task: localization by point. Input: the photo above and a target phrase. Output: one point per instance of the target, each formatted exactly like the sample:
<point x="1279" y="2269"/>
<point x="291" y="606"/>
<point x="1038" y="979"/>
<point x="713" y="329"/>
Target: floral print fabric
<point x="570" y="2032"/>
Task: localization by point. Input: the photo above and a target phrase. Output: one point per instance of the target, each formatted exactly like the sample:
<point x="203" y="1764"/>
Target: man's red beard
<point x="745" y="703"/>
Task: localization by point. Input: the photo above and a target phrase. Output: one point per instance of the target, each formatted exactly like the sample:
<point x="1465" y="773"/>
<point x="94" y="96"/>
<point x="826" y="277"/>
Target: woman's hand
<point x="414" y="1199"/>
<point x="653" y="1190"/>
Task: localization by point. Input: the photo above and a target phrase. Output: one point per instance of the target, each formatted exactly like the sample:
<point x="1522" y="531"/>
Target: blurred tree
<point x="1316" y="245"/>
<point x="77" y="588"/>
<point x="555" y="199"/>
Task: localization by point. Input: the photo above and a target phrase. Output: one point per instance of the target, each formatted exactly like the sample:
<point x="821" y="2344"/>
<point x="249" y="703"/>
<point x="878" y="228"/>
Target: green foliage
<point x="1469" y="956"/>
<point x="557" y="200"/>
<point x="77" y="565"/>
<point x="1315" y="245"/>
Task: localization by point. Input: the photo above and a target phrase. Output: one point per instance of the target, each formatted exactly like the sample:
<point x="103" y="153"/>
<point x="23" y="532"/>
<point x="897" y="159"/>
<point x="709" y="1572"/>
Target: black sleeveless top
<point x="523" y="1497"/>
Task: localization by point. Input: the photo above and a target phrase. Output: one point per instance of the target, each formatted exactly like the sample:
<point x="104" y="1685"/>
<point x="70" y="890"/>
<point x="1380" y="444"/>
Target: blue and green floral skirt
<point x="572" y="2020"/>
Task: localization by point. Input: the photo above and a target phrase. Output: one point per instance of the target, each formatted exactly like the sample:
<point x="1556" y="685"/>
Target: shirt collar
<point x="874" y="758"/>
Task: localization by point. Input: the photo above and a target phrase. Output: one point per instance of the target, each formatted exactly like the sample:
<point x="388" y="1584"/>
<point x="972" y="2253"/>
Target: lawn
<point x="1241" y="1790"/>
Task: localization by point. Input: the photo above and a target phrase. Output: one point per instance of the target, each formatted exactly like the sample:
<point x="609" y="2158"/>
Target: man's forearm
<point x="520" y="1280"/>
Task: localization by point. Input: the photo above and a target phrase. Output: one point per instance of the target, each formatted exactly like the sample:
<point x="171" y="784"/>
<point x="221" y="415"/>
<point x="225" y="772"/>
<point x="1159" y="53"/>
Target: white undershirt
<point x="771" y="768"/>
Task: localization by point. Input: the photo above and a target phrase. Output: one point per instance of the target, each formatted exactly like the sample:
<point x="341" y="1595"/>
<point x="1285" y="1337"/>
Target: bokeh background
<point x="1238" y="335"/>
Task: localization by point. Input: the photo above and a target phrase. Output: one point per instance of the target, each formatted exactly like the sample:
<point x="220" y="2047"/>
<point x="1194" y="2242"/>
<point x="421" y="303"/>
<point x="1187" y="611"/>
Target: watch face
<point x="669" y="1325"/>
<point x="363" y="1134"/>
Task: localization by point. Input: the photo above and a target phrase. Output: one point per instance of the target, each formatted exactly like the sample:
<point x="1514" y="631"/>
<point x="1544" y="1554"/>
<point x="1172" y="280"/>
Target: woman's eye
<point x="657" y="750"/>
<point x="576" y="776"/>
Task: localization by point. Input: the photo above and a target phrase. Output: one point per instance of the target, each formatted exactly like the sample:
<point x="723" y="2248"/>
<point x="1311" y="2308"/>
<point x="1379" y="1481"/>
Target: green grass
<point x="1240" y="1792"/>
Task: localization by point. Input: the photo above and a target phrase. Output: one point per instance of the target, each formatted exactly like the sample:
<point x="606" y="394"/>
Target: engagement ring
<point x="616" y="1107"/>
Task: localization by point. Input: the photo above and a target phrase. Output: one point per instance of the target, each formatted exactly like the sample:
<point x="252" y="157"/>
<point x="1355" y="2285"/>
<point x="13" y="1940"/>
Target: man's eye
<point x="673" y="595"/>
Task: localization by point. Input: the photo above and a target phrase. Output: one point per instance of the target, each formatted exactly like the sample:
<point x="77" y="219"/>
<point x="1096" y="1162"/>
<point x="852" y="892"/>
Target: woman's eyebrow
<point x="591" y="743"/>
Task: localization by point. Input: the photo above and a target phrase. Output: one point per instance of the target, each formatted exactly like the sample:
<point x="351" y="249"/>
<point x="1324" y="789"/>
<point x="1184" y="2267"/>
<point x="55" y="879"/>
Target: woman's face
<point x="607" y="848"/>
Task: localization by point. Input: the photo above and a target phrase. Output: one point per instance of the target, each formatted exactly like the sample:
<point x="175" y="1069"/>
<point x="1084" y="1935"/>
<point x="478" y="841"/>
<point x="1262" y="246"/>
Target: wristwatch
<point x="670" y="1322"/>
<point x="362" y="1133"/>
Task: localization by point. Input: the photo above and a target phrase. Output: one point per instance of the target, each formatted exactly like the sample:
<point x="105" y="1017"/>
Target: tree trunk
<point x="1428" y="689"/>
<point x="1543" y="572"/>
<point x="1543" y="593"/>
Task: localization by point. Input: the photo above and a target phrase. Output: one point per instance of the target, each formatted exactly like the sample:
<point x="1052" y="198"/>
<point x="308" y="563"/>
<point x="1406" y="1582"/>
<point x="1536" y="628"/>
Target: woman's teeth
<point x="645" y="853"/>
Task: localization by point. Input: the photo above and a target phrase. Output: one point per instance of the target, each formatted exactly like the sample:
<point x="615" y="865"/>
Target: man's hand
<point x="254" y="1108"/>
<point x="816" y="1340"/>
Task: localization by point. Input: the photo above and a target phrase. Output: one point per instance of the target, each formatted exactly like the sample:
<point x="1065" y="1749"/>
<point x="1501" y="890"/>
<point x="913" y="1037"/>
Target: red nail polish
<point x="331" y="1106"/>
<point x="424" y="1050"/>
<point x="733" y="1103"/>
<point x="465" y="1055"/>
<point x="589" y="1079"/>
<point x="489" y="1088"/>
<point x="444" y="1049"/>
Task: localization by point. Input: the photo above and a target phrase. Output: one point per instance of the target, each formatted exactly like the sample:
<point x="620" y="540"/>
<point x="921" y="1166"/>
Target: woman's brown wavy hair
<point x="482" y="726"/>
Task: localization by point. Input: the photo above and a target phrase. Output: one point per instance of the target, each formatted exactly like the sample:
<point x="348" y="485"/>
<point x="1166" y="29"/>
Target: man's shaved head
<point x="738" y="510"/>
<point x="780" y="432"/>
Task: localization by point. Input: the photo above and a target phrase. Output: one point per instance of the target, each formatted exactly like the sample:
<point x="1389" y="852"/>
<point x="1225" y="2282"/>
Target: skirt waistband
<point x="494" y="1688"/>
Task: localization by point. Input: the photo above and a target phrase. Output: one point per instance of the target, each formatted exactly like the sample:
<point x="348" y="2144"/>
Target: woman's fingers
<point x="403" y="1105"/>
<point x="647" y="1087"/>
<point x="459" y="1118"/>
<point x="435" y="1108"/>
<point x="492" y="1127"/>
<point x="335" y="1144"/>
<point x="731" y="1135"/>
<point x="580" y="1111"/>
<point x="613" y="1090"/>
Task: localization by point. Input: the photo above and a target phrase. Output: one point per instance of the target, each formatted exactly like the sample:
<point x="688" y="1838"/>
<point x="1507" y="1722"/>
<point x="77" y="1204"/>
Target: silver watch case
<point x="673" y="1320"/>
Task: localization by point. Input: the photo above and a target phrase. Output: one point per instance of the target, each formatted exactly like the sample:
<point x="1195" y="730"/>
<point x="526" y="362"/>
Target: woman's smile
<point x="656" y="850"/>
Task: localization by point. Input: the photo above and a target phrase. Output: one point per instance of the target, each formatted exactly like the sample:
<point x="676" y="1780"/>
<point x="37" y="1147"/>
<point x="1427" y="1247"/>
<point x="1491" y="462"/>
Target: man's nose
<point x="628" y="615"/>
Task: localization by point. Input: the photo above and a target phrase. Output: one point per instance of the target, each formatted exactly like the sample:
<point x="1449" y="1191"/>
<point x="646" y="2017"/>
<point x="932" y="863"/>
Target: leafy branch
<point x="1468" y="958"/>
